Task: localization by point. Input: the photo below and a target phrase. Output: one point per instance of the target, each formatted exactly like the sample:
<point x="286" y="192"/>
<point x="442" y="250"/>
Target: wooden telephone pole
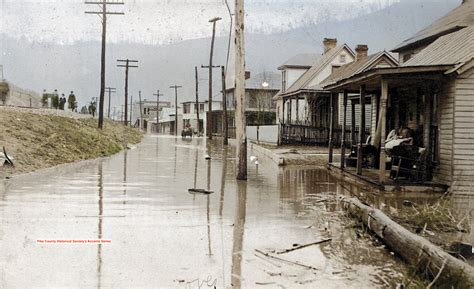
<point x="127" y="66"/>
<point x="224" y="108"/>
<point x="110" y="90"/>
<point x="198" y="125"/>
<point x="103" y="15"/>
<point x="175" y="108"/>
<point x="157" y="94"/>
<point x="209" y="119"/>
<point x="213" y="21"/>
<point x="240" y="91"/>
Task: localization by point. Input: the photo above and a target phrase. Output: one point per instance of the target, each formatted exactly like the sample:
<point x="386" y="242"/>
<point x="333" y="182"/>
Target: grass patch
<point x="38" y="141"/>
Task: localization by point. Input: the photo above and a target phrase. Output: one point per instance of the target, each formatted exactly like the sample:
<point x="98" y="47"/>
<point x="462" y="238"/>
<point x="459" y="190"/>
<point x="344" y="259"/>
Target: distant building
<point x="146" y="109"/>
<point x="166" y="122"/>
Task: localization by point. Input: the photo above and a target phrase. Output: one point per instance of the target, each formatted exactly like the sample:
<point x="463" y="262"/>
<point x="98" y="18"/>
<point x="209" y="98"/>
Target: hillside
<point x="45" y="65"/>
<point x="39" y="140"/>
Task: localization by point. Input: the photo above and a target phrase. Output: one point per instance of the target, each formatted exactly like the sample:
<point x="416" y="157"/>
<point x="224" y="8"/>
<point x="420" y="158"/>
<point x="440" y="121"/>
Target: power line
<point x="127" y="66"/>
<point x="103" y="14"/>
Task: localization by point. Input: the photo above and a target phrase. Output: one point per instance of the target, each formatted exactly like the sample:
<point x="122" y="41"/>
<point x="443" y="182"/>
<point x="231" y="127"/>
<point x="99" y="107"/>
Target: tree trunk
<point x="414" y="249"/>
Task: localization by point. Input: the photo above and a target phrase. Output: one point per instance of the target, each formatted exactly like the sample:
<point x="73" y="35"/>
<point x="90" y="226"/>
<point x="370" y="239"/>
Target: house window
<point x="187" y="108"/>
<point x="201" y="107"/>
<point x="342" y="58"/>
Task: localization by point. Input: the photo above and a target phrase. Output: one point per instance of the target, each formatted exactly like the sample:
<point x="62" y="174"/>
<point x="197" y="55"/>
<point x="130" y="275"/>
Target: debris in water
<point x="200" y="191"/>
<point x="6" y="159"/>
<point x="297" y="247"/>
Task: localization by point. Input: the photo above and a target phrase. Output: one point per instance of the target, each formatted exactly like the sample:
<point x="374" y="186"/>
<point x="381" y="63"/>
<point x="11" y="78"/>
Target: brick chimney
<point x="329" y="43"/>
<point x="361" y="51"/>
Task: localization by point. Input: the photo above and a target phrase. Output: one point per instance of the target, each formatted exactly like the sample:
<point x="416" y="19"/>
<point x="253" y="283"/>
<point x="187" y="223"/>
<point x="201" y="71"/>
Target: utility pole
<point x="110" y="90"/>
<point x="131" y="110"/>
<point x="224" y="108"/>
<point x="157" y="94"/>
<point x="198" y="125"/>
<point x="175" y="108"/>
<point x="103" y="15"/>
<point x="141" y="108"/>
<point x="213" y="21"/>
<point x="210" y="119"/>
<point x="240" y="91"/>
<point x="127" y="66"/>
<point x="114" y="115"/>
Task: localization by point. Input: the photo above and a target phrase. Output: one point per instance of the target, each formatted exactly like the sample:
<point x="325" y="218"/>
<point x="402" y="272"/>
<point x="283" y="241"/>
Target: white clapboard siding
<point x="444" y="171"/>
<point x="463" y="136"/>
<point x="368" y="113"/>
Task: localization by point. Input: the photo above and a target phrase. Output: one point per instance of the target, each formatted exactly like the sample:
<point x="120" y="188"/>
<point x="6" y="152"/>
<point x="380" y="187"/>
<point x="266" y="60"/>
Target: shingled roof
<point x="304" y="60"/>
<point x="356" y="67"/>
<point x="459" y="18"/>
<point x="304" y="81"/>
<point x="359" y="66"/>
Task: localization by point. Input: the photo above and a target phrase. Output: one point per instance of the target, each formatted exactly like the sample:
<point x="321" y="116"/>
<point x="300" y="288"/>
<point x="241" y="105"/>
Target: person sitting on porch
<point x="398" y="137"/>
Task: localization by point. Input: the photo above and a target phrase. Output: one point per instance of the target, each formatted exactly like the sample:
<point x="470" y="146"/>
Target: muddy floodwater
<point x="161" y="236"/>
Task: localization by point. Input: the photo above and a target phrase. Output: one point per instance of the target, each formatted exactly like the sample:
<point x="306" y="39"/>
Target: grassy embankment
<point x="38" y="141"/>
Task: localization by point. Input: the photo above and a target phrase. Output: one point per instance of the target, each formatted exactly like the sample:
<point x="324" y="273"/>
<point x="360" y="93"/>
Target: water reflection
<point x="238" y="234"/>
<point x="99" y="229"/>
<point x="166" y="235"/>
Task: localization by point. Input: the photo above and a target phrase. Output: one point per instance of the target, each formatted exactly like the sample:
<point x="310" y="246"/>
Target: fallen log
<point x="414" y="249"/>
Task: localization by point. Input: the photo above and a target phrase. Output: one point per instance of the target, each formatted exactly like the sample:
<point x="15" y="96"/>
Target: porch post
<point x="361" y="130"/>
<point x="331" y="126"/>
<point x="284" y="111"/>
<point x="290" y="104"/>
<point x="353" y="123"/>
<point x="427" y="119"/>
<point x="297" y="109"/>
<point x="383" y="126"/>
<point x="343" y="133"/>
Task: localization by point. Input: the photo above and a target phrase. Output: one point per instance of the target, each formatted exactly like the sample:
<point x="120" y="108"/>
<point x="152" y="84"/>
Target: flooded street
<point x="161" y="236"/>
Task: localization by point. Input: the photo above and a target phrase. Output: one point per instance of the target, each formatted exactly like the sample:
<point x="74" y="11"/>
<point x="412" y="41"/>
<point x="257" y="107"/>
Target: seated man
<point x="398" y="137"/>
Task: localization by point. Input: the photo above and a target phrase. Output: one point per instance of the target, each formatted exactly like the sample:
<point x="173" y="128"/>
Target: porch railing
<point x="311" y="135"/>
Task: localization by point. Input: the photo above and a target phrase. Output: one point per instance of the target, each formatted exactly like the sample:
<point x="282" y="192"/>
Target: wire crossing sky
<point x="168" y="21"/>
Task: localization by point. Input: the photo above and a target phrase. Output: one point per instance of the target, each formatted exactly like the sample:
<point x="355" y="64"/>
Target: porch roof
<point x="372" y="77"/>
<point x="460" y="17"/>
<point x="357" y="67"/>
<point x="456" y="48"/>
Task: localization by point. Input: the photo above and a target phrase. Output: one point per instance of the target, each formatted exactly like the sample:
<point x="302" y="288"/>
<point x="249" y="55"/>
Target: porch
<point x="371" y="178"/>
<point x="408" y="100"/>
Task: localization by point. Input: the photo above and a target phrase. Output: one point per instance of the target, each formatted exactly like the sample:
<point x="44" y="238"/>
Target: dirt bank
<point x="38" y="140"/>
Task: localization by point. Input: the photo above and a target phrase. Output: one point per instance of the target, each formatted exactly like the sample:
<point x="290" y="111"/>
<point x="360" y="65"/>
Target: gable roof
<point x="460" y="17"/>
<point x="304" y="80"/>
<point x="271" y="78"/>
<point x="358" y="66"/>
<point x="453" y="49"/>
<point x="304" y="60"/>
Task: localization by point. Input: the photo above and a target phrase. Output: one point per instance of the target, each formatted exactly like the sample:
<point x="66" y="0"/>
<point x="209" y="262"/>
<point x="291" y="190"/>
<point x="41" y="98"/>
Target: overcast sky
<point x="165" y="21"/>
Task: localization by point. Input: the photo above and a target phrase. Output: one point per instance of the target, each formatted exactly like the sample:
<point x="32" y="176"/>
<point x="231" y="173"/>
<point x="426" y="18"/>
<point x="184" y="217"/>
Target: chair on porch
<point x="408" y="162"/>
<point x="370" y="155"/>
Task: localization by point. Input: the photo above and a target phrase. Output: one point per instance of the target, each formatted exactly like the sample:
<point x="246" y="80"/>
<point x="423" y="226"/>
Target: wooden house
<point x="304" y="109"/>
<point x="430" y="92"/>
